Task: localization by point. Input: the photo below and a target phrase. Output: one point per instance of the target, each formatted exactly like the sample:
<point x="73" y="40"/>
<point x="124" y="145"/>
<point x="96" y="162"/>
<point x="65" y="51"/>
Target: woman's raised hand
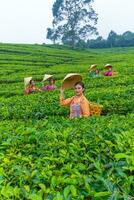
<point x="62" y="90"/>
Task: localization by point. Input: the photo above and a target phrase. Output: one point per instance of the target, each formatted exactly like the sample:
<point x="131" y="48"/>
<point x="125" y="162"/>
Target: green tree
<point x="128" y="35"/>
<point x="112" y="39"/>
<point x="73" y="21"/>
<point x="99" y="42"/>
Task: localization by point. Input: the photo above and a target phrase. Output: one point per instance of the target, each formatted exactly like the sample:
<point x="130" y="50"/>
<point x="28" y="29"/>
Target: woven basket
<point x="95" y="109"/>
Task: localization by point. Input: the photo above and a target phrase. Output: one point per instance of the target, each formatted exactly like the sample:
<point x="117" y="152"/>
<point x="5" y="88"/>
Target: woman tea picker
<point x="31" y="87"/>
<point x="79" y="105"/>
<point x="109" y="71"/>
<point x="93" y="71"/>
<point x="51" y="82"/>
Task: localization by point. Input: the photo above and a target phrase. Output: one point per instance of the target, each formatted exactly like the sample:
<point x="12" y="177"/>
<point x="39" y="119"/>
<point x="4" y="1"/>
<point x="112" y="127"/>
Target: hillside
<point x="44" y="154"/>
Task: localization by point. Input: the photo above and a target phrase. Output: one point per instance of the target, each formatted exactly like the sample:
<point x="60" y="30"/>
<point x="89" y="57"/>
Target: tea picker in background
<point x="79" y="105"/>
<point x="51" y="82"/>
<point x="93" y="71"/>
<point x="109" y="71"/>
<point x="31" y="87"/>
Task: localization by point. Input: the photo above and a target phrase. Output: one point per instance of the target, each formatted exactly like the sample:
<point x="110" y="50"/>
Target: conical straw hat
<point x="107" y="66"/>
<point x="47" y="76"/>
<point x="70" y="80"/>
<point x="27" y="80"/>
<point x="93" y="66"/>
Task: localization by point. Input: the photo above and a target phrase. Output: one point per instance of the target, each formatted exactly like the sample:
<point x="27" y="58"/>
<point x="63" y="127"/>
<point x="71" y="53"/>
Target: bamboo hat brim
<point x="70" y="80"/>
<point x="108" y="66"/>
<point x="46" y="77"/>
<point x="93" y="66"/>
<point x="27" y="80"/>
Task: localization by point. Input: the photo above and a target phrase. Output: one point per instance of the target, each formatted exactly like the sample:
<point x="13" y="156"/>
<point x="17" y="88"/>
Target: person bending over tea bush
<point x="31" y="87"/>
<point x="93" y="71"/>
<point x="51" y="82"/>
<point x="109" y="71"/>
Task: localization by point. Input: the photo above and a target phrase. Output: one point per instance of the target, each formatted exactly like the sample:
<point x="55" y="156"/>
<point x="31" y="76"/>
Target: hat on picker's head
<point x="107" y="66"/>
<point x="70" y="80"/>
<point x="93" y="66"/>
<point x="27" y="80"/>
<point x="46" y="77"/>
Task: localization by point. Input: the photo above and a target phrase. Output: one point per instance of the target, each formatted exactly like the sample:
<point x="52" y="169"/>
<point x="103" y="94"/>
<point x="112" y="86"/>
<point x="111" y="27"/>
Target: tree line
<point x="113" y="40"/>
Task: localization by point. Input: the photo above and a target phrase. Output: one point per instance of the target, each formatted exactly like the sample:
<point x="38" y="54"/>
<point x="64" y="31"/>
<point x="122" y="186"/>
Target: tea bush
<point x="46" y="156"/>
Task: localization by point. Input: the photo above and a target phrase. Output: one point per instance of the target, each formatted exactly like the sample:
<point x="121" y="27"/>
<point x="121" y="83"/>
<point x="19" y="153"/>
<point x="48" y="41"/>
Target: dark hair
<point x="30" y="81"/>
<point x="80" y="83"/>
<point x="51" y="79"/>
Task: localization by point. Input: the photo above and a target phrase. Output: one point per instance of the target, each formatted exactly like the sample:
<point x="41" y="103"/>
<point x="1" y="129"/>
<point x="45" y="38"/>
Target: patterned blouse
<point x="79" y="106"/>
<point x="49" y="87"/>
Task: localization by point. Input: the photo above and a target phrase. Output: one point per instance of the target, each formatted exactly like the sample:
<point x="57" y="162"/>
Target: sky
<point x="26" y="21"/>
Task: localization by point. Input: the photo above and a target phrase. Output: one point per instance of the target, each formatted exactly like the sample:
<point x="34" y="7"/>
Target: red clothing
<point x="30" y="89"/>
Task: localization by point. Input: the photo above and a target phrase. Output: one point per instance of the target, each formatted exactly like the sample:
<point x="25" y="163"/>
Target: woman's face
<point x="79" y="90"/>
<point x="33" y="83"/>
<point x="110" y="69"/>
<point x="51" y="81"/>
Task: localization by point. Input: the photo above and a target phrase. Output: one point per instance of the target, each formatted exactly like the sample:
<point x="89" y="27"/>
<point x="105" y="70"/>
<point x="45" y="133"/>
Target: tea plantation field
<point x="46" y="156"/>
